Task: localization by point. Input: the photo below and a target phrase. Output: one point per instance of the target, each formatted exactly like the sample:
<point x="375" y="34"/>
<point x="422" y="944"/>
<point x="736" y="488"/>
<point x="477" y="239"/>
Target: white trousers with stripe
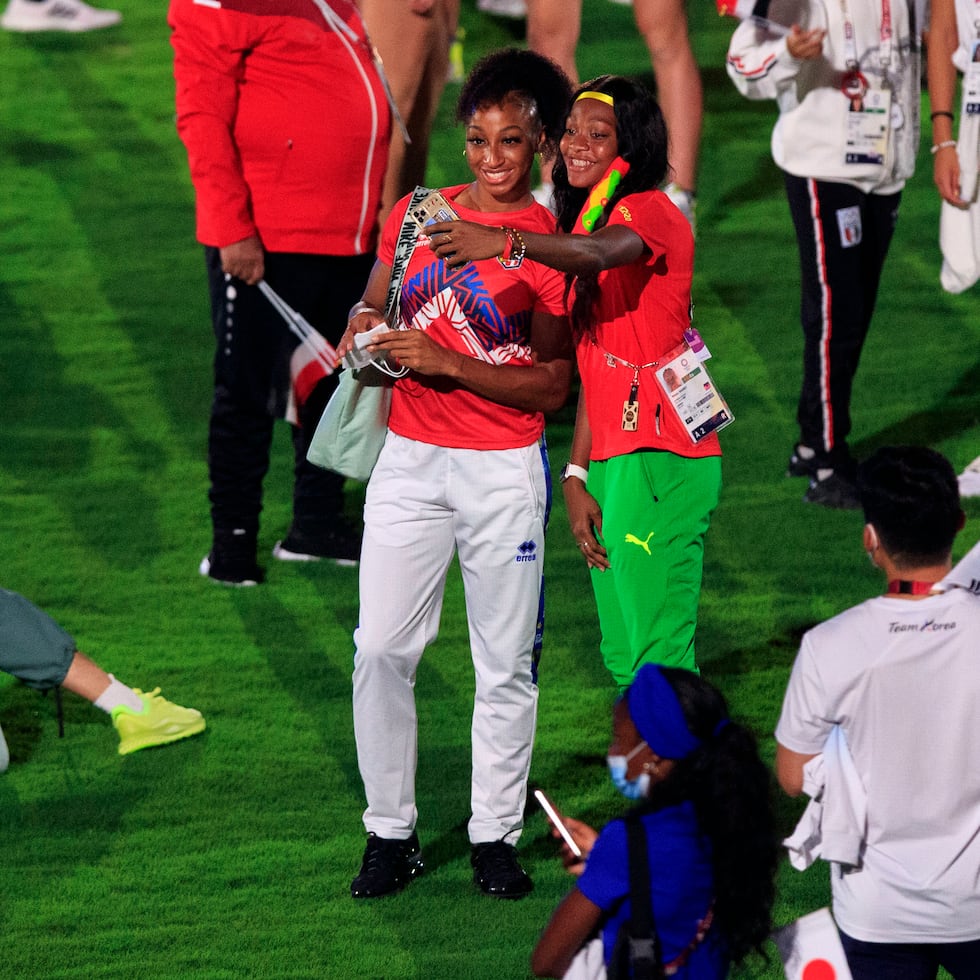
<point x="424" y="503"/>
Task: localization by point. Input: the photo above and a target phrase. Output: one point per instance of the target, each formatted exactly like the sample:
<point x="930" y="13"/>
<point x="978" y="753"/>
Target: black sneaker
<point x="231" y="572"/>
<point x="341" y="545"/>
<point x="835" y="490"/>
<point x="387" y="866"/>
<point x="497" y="871"/>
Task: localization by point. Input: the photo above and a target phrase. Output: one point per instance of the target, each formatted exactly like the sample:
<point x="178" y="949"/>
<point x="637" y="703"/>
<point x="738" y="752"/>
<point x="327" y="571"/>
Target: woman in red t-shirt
<point x="463" y="471"/>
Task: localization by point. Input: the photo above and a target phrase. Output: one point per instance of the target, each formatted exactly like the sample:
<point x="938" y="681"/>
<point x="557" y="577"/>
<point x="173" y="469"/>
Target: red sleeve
<point x="653" y="217"/>
<point x="210" y="45"/>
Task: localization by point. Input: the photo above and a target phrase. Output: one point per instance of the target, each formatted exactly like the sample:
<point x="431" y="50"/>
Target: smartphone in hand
<point x="556" y="821"/>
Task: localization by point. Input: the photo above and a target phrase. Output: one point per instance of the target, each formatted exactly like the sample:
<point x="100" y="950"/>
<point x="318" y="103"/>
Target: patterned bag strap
<point x="404" y="246"/>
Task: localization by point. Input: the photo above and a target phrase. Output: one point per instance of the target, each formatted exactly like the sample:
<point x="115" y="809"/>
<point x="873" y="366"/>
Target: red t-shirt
<point x="482" y="310"/>
<point x="642" y="312"/>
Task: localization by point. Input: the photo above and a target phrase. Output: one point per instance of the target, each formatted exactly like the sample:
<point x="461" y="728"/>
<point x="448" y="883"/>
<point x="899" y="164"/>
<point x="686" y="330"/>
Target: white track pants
<point x="423" y="504"/>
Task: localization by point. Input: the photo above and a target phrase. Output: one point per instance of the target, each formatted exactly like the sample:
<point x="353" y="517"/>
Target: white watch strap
<point x="571" y="469"/>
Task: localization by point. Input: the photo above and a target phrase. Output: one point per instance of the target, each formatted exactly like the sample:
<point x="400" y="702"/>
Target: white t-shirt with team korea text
<point x="902" y="679"/>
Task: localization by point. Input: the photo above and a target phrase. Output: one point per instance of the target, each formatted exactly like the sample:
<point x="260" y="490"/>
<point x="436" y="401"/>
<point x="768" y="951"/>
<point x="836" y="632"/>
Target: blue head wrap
<point x="657" y="714"/>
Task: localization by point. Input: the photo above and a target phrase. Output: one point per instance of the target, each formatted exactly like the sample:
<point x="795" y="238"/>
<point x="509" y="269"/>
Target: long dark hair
<point x="641" y="134"/>
<point x="513" y="73"/>
<point x="731" y="790"/>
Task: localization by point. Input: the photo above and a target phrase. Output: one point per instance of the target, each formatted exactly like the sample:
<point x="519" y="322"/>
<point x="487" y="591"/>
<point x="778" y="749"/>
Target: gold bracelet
<point x="523" y="245"/>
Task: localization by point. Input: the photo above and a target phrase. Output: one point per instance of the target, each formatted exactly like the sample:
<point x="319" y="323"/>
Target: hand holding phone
<point x="557" y="823"/>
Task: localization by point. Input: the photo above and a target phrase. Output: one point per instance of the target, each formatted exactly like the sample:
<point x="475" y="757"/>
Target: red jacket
<point x="285" y="122"/>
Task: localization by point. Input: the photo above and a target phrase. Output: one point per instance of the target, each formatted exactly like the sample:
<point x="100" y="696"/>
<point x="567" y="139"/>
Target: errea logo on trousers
<point x="527" y="551"/>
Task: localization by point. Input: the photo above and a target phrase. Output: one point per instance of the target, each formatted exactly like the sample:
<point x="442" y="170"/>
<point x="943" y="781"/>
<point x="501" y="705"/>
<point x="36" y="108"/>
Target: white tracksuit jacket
<point x="809" y="137"/>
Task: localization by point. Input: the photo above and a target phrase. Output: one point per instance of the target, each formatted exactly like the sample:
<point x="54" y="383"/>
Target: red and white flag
<point x="742" y="8"/>
<point x="810" y="948"/>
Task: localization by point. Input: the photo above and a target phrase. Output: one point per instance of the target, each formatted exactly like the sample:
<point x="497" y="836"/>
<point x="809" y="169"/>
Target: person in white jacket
<point x="845" y="76"/>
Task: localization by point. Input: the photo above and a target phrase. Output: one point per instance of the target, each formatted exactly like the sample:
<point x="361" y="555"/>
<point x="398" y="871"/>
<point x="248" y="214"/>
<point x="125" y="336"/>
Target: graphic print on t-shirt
<point x="471" y="298"/>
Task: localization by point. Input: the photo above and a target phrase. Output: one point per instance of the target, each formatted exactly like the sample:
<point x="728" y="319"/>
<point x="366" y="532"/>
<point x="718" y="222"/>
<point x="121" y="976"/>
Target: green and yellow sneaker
<point x="159" y="723"/>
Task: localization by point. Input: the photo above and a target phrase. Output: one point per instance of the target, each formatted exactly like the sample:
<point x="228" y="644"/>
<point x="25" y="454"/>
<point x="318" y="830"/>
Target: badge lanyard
<point x="854" y="84"/>
<point x="631" y="407"/>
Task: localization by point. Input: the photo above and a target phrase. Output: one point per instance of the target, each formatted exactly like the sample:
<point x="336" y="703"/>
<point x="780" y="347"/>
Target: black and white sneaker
<point x="341" y="545"/>
<point x="497" y="871"/>
<point x="387" y="866"/>
<point x="802" y="461"/>
<point x="228" y="572"/>
<point x="832" y="490"/>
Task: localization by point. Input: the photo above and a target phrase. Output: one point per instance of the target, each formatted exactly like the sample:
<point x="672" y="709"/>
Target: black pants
<point x="911" y="961"/>
<point x="251" y="387"/>
<point x="843" y="236"/>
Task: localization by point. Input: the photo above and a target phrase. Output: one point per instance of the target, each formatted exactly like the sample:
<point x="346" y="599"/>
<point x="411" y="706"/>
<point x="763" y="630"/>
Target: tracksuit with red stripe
<point x="843" y="212"/>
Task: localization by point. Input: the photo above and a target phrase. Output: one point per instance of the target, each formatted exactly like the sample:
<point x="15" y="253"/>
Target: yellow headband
<point x="601" y="96"/>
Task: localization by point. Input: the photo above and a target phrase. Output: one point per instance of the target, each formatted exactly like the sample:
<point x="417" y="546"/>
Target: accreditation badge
<point x="692" y="393"/>
<point x="866" y="123"/>
<point x="971" y="82"/>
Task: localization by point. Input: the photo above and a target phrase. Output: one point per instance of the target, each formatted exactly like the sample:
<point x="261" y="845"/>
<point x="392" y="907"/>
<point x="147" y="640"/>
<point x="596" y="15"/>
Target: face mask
<point x="632" y="789"/>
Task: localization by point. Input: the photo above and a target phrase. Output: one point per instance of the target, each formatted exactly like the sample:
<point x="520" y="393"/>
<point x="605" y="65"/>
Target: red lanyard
<point x="901" y="586"/>
<point x="884" y="35"/>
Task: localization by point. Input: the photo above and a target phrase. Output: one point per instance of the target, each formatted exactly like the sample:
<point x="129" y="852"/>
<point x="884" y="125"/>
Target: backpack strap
<point x="646" y="956"/>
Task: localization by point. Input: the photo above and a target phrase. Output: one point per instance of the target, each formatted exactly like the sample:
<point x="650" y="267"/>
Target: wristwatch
<point x="570" y="469"/>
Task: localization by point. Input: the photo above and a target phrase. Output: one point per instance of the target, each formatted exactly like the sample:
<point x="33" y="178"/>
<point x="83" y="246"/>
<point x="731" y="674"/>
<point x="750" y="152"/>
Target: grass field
<point x="230" y="855"/>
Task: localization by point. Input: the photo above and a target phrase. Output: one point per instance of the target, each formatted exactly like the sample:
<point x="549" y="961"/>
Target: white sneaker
<point x="56" y="15"/>
<point x="969" y="480"/>
<point x="517" y="9"/>
<point x="4" y="753"/>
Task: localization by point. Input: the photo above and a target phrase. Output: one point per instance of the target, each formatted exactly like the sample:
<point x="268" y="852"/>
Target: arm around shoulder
<point x="457" y="243"/>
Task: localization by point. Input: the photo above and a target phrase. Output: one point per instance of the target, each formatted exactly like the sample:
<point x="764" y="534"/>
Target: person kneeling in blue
<point x="706" y="815"/>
